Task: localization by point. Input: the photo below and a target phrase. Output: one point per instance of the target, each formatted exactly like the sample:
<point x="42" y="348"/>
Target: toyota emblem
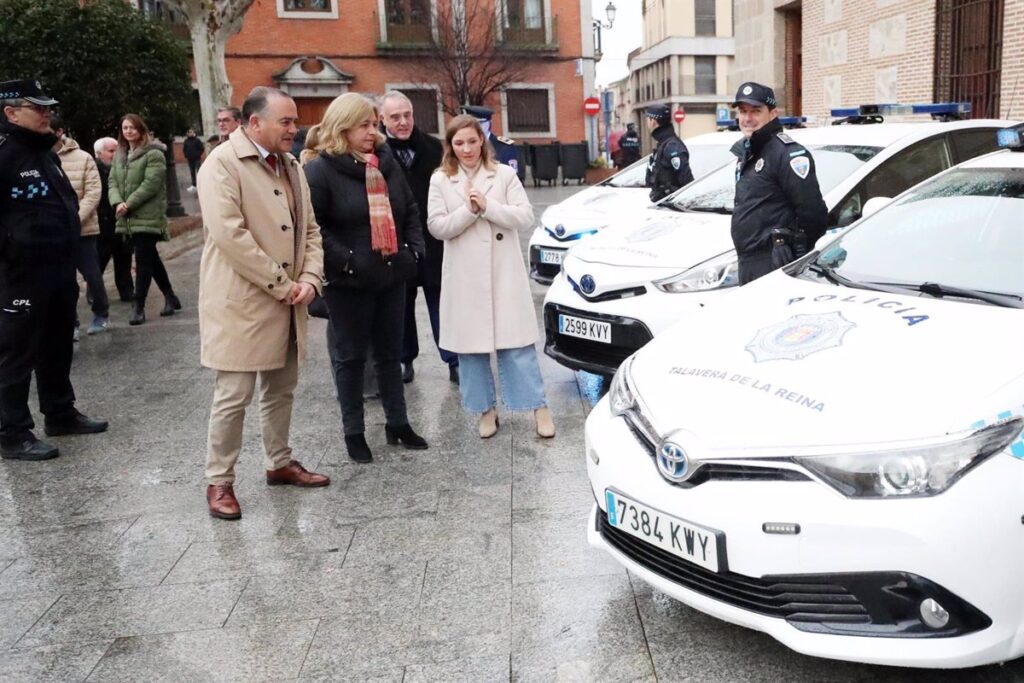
<point x="673" y="463"/>
<point x="560" y="230"/>
<point x="587" y="284"/>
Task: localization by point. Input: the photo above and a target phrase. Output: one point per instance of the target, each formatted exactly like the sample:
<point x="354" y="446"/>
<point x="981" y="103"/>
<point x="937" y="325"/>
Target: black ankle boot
<point x="138" y="313"/>
<point x="171" y="304"/>
<point x="357" y="448"/>
<point x="405" y="436"/>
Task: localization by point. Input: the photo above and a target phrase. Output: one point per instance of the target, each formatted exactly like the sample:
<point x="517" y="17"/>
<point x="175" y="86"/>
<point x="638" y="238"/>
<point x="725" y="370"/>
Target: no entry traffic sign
<point x="592" y="106"/>
<point x="678" y="115"/>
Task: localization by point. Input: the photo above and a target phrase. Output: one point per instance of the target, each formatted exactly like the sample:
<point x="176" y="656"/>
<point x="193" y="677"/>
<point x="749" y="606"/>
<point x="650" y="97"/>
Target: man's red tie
<point x="272" y="160"/>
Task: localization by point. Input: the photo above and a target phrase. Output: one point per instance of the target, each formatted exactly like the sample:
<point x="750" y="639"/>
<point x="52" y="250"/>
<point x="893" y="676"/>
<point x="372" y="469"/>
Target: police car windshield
<point x="703" y="160"/>
<point x="716" y="191"/>
<point x="959" y="235"/>
<point x="634" y="175"/>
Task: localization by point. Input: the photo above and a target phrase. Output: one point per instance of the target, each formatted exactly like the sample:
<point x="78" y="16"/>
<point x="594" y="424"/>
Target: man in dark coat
<point x="39" y="233"/>
<point x="193" y="149"/>
<point x="778" y="212"/>
<point x="111" y="245"/>
<point x="419" y="155"/>
<point x="669" y="165"/>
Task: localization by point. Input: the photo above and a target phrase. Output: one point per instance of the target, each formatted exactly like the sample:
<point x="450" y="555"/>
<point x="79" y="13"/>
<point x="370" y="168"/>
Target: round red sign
<point x="678" y="115"/>
<point x="592" y="106"/>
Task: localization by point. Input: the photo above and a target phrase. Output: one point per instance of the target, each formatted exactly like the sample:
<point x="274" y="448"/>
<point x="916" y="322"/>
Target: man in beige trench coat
<point x="262" y="263"/>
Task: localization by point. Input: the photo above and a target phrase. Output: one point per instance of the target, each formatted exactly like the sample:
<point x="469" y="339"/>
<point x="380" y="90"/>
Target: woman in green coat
<point x="138" y="193"/>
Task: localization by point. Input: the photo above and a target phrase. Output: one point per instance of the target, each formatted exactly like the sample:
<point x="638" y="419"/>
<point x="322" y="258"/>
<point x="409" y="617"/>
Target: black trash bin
<point x="522" y="154"/>
<point x="545" y="163"/>
<point x="574" y="162"/>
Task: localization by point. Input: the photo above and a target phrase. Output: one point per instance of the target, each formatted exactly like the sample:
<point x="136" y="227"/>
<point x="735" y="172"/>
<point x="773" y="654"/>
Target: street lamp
<point x="598" y="25"/>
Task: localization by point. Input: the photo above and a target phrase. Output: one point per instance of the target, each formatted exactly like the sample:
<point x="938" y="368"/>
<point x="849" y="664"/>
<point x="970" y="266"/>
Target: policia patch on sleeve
<point x="676" y="163"/>
<point x="801" y="166"/>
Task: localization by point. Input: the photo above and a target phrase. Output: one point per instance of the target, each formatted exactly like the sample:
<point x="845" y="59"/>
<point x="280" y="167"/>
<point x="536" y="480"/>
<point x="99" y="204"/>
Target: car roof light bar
<point x="871" y="113"/>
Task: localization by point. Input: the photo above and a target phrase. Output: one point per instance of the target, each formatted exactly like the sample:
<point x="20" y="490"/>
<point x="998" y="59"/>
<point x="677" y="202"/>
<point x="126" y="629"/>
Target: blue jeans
<point x="521" y="385"/>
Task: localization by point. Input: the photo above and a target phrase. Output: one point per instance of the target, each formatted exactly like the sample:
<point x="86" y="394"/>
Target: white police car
<point x="836" y="458"/>
<point x="621" y="287"/>
<point x="588" y="211"/>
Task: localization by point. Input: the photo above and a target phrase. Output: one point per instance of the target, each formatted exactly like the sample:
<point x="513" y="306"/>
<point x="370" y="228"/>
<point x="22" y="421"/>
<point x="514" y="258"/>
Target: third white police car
<point x="621" y="287"/>
<point x="835" y="459"/>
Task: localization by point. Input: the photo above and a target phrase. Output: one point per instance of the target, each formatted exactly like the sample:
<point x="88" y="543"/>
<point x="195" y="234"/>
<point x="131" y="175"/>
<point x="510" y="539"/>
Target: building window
<point x="528" y="110"/>
<point x="408" y="21"/>
<point x="424" y="108"/>
<point x="968" y="54"/>
<point x="705" y="82"/>
<point x="307" y="9"/>
<point x="704" y="16"/>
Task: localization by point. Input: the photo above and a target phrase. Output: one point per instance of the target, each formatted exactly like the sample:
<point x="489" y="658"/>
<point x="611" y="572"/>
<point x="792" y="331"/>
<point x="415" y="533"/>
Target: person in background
<point x="629" y="146"/>
<point x="39" y="230"/>
<point x="372" y="243"/>
<point x="138" y="193"/>
<point x="81" y="170"/>
<point x="110" y="245"/>
<point x="669" y="166"/>
<point x="504" y="151"/>
<point x="262" y="264"/>
<point x="193" y="150"/>
<point x="419" y="155"/>
<point x="478" y="208"/>
<point x="228" y="121"/>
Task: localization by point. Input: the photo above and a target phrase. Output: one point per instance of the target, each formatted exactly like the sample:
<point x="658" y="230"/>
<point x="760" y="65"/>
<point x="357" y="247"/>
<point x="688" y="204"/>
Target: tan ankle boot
<point x="489" y="424"/>
<point x="545" y="425"/>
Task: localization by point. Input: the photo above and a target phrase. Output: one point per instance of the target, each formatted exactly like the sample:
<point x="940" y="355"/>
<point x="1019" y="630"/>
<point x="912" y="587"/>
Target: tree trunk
<point x="211" y="75"/>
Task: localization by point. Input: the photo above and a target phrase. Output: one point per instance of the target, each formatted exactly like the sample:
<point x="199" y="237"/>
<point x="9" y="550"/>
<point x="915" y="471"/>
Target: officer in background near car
<point x="669" y="165"/>
<point x="629" y="146"/>
<point x="39" y="233"/>
<point x="779" y="213"/>
<point x="504" y="151"/>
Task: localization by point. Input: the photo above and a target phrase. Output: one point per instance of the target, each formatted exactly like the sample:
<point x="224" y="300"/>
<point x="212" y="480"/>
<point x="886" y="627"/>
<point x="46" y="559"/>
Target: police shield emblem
<point x="801" y="166"/>
<point x="799" y="336"/>
<point x="676" y="163"/>
<point x="759" y="165"/>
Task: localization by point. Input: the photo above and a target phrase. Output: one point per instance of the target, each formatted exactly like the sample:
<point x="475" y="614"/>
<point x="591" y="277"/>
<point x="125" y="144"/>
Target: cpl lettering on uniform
<point x="896" y="307"/>
<point x="21" y="303"/>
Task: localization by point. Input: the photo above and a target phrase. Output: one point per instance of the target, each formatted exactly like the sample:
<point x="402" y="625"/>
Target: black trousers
<point x="359" y="317"/>
<point x="88" y="264"/>
<point x="149" y="267"/>
<point x="193" y="168"/>
<point x="753" y="266"/>
<point x="37" y="323"/>
<point x="410" y="340"/>
<point x="120" y="250"/>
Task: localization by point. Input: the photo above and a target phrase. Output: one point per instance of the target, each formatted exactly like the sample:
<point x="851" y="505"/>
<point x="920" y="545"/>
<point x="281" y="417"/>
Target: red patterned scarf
<point x="383" y="237"/>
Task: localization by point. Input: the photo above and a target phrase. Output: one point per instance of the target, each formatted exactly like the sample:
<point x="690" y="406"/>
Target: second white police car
<point x="623" y="286"/>
<point x="835" y="459"/>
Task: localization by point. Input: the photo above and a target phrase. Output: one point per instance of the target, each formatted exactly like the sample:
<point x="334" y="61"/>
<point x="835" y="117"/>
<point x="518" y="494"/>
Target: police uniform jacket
<point x="485" y="293"/>
<point x="776" y="187"/>
<point x="261" y="238"/>
<point x="629" y="146"/>
<point x="669" y="166"/>
<point x="39" y="224"/>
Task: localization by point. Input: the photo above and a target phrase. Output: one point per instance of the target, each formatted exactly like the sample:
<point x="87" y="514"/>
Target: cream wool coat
<point x="485" y="293"/>
<point x="254" y="251"/>
<point x="81" y="170"/>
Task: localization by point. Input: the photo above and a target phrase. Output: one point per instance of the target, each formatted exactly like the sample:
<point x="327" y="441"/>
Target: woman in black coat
<point x="372" y="243"/>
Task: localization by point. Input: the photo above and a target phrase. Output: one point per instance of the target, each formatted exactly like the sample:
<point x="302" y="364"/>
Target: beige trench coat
<point x="485" y="293"/>
<point x="254" y="251"/>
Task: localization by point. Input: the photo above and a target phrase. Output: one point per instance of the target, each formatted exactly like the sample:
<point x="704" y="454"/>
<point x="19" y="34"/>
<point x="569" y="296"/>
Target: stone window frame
<point x="552" y="123"/>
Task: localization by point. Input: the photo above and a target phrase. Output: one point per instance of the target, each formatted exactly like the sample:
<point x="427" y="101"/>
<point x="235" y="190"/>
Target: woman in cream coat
<point x="477" y="207"/>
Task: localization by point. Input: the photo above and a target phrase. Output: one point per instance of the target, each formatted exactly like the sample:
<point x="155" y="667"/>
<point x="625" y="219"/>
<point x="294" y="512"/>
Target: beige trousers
<point x="232" y="394"/>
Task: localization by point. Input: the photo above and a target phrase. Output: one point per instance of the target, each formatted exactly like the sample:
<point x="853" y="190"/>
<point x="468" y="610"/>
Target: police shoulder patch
<point x="676" y="162"/>
<point x="801" y="166"/>
<point x="507" y="141"/>
<point x="785" y="138"/>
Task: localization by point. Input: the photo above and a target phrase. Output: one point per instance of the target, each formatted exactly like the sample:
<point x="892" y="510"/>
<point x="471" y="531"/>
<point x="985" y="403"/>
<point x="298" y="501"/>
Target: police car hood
<point x="661" y="238"/>
<point x="786" y="361"/>
<point x="595" y="208"/>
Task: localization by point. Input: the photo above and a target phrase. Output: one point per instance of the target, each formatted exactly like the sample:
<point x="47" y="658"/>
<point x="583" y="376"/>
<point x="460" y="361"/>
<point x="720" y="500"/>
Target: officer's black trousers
<point x="754" y="266"/>
<point x="37" y="322"/>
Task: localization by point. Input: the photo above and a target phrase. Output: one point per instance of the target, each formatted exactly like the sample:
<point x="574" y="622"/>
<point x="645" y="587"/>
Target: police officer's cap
<point x="479" y="113"/>
<point x="755" y="94"/>
<point x="661" y="113"/>
<point x="28" y="89"/>
<point x="630" y="126"/>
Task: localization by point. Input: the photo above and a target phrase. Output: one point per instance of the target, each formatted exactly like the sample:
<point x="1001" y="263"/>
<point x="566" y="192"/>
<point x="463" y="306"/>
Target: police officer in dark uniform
<point x="629" y="146"/>
<point x="39" y="231"/>
<point x="504" y="151"/>
<point x="669" y="166"/>
<point x="779" y="213"/>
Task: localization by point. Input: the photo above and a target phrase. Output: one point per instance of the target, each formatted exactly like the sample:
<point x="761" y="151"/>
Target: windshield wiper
<point x="940" y="291"/>
<point x="831" y="275"/>
<point x="706" y="209"/>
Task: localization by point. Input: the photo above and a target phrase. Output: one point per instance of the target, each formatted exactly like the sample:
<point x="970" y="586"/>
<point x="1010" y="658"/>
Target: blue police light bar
<point x="934" y="109"/>
<point x="1009" y="138"/>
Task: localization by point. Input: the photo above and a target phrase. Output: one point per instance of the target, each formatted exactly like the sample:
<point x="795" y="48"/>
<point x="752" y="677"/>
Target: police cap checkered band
<point x="26" y="89"/>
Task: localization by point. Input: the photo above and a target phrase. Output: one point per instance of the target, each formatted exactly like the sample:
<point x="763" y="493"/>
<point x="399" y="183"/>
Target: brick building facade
<point x="318" y="49"/>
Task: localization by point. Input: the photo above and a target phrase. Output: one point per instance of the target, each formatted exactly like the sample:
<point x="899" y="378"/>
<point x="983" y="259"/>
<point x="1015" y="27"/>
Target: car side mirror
<point x="874" y="205"/>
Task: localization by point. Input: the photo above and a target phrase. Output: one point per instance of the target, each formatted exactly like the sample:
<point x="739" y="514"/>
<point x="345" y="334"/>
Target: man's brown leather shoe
<point x="222" y="501"/>
<point x="296" y="475"/>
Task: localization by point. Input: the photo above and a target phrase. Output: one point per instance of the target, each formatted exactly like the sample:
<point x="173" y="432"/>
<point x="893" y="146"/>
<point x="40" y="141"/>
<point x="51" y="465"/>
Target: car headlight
<point x="621" y="396"/>
<point x="715" y="273"/>
<point x="912" y="472"/>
